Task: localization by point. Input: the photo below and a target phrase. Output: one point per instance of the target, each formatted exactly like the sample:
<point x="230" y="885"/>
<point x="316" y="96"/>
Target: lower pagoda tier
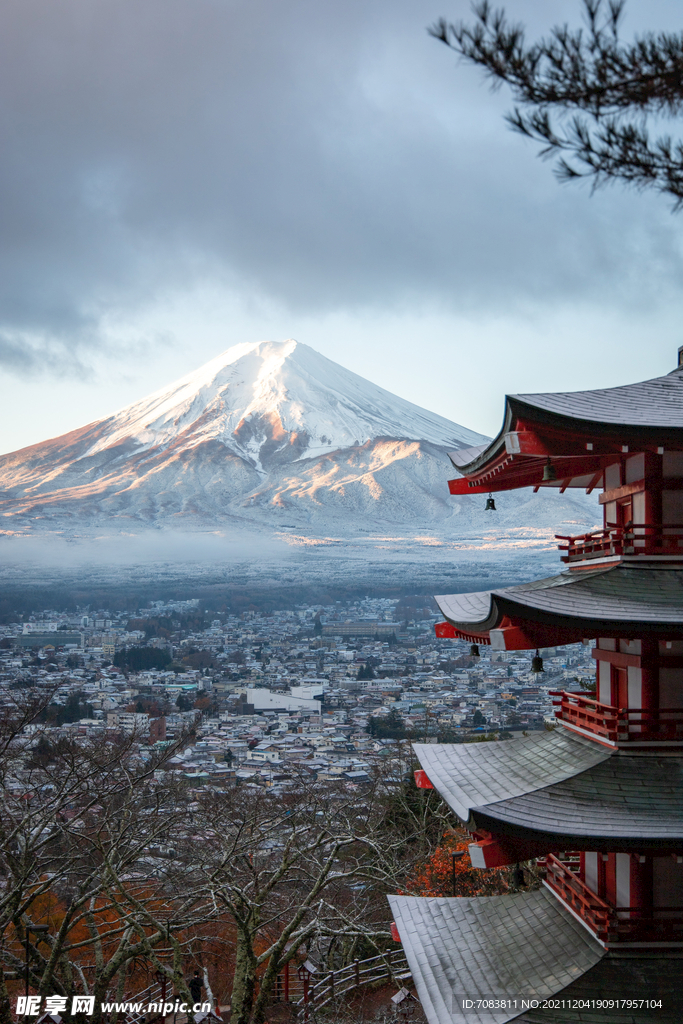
<point x="520" y="950"/>
<point x="623" y="600"/>
<point x="558" y="791"/>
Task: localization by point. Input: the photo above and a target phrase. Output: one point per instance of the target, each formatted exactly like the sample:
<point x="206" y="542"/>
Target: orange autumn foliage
<point x="434" y="876"/>
<point x="110" y="917"/>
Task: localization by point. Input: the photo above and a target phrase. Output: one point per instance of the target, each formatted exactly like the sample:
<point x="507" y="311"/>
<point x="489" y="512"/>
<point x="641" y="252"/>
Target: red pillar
<point x="649" y="662"/>
<point x="641" y="884"/>
<point x="653" y="493"/>
<point x="602" y="874"/>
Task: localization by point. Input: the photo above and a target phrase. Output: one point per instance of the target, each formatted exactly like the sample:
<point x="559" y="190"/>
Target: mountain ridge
<point x="267" y="437"/>
<point x="215" y="393"/>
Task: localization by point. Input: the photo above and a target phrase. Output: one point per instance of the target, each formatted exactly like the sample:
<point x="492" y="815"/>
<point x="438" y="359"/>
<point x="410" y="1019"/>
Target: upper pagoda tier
<point x="580" y="432"/>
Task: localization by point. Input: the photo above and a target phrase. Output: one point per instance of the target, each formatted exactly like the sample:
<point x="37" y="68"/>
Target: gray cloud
<point x="325" y="156"/>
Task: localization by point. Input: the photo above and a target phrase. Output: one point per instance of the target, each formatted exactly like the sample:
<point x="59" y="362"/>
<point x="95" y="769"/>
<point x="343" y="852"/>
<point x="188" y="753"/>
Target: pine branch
<point x="584" y="94"/>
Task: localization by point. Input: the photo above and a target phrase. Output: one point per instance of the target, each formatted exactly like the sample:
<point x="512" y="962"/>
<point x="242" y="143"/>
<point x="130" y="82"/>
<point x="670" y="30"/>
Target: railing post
<point x="306" y="995"/>
<point x="287" y="982"/>
<point x="356" y="964"/>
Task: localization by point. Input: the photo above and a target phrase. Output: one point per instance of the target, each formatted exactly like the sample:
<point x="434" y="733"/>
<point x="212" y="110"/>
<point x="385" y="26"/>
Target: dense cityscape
<point x="263" y="695"/>
<point x="177" y="753"/>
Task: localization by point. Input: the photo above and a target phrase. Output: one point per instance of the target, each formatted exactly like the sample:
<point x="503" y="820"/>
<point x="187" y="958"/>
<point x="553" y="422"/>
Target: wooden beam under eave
<point x="526" y="471"/>
<point x="595" y="481"/>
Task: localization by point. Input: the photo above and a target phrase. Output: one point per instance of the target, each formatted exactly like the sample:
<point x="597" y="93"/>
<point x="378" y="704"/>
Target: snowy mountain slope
<point x="270" y="436"/>
<point x="276" y="389"/>
<point x="269" y="403"/>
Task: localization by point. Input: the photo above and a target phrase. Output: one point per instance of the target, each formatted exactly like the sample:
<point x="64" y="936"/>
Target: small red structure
<point x="422" y="780"/>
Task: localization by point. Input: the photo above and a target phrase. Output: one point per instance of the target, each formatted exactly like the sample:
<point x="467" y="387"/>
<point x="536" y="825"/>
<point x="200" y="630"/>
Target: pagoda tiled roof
<point x="471" y="775"/>
<point x="520" y="945"/>
<point x="581" y="430"/>
<point x="650" y="403"/>
<point x="559" y="785"/>
<point x="622" y="798"/>
<point x="627" y="595"/>
<point x="464" y="456"/>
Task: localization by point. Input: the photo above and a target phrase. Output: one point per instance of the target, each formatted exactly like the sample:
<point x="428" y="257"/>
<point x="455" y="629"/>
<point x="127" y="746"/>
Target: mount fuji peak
<point x="267" y="437"/>
<point x="272" y="396"/>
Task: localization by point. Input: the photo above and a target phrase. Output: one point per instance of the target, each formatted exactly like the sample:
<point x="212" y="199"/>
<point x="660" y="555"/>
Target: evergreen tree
<point x="390" y="726"/>
<point x="584" y="94"/>
<point x="137" y="659"/>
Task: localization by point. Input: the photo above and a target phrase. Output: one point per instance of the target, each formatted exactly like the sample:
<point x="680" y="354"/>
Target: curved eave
<point x="611" y="601"/>
<point x="588" y="835"/>
<point x="552" y="788"/>
<point x="469" y="775"/>
<point x="521" y="945"/>
<point x="485" y="453"/>
<point x="581" y="432"/>
<point x="620" y="802"/>
<point x="475" y="612"/>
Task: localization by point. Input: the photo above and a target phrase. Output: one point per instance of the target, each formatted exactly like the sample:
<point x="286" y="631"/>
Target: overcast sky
<point x="177" y="176"/>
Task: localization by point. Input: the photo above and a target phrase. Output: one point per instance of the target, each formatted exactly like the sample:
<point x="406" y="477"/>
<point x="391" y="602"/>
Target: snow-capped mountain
<point x="270" y="396"/>
<point x="270" y="436"/>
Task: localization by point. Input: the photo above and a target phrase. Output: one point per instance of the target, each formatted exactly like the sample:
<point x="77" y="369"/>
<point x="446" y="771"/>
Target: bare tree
<point x="128" y="869"/>
<point x="305" y="872"/>
<point x="77" y="820"/>
<point x="585" y="95"/>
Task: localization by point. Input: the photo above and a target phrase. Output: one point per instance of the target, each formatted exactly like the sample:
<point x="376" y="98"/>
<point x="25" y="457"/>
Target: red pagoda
<point x="599" y="798"/>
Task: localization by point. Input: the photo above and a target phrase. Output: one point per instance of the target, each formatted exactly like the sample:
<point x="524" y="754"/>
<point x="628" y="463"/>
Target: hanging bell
<point x="537" y="663"/>
<point x="549" y="472"/>
<point x="490" y="504"/>
<point x="474" y="651"/>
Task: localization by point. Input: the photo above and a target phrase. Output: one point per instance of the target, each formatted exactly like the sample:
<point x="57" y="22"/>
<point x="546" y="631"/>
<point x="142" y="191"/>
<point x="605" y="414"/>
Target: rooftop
<point x="488" y="947"/>
<point x="581" y="431"/>
<point x="559" y="789"/>
<point x="609" y="601"/>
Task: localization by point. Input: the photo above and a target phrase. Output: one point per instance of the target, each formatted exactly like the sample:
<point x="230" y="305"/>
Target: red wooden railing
<point x="572" y="891"/>
<point x="640" y="539"/>
<point x="619" y="725"/>
<point x="608" y="923"/>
